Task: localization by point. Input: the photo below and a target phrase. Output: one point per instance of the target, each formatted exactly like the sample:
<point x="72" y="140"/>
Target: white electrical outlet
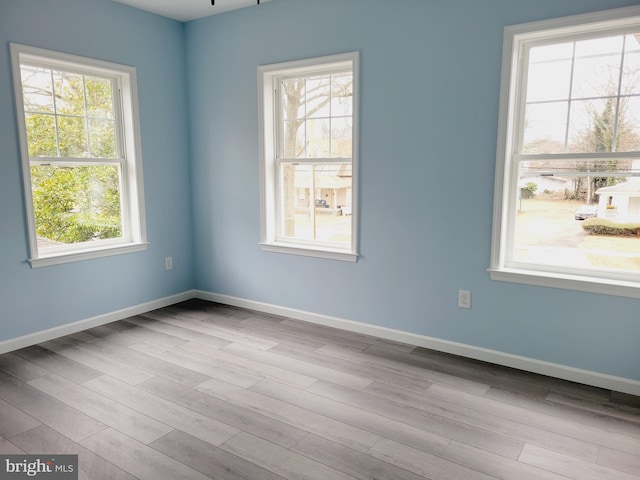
<point x="464" y="299"/>
<point x="168" y="263"/>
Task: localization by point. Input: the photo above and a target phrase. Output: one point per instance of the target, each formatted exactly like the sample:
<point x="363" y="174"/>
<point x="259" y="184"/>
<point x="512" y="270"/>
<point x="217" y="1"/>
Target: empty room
<point x="304" y="239"/>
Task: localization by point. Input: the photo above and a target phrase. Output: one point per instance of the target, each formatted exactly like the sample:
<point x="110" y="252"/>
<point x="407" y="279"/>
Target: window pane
<point x="341" y="133"/>
<point x="342" y="96"/>
<point x="36" y="89"/>
<point x="549" y="53"/>
<point x="601" y="112"/>
<point x="591" y="125"/>
<point x="545" y="127"/>
<point x="69" y="93"/>
<point x="549" y="80"/>
<point x="293" y="99"/>
<point x="318" y="138"/>
<point x="72" y="133"/>
<point x="316" y="203"/>
<point x="631" y="74"/>
<point x="80" y="102"/>
<point x="317" y="116"/>
<point x="597" y="67"/>
<point x="318" y="95"/>
<point x="76" y="204"/>
<point x="629" y="126"/>
<point x="102" y="138"/>
<point x="631" y="71"/>
<point x="578" y="221"/>
<point x="599" y="46"/>
<point x="99" y="98"/>
<point x="294" y="139"/>
<point x="41" y="135"/>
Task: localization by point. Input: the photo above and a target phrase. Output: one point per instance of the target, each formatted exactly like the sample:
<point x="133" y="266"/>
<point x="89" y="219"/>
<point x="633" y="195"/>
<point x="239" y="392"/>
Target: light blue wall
<point x="429" y="95"/>
<point x="430" y="72"/>
<point x="37" y="299"/>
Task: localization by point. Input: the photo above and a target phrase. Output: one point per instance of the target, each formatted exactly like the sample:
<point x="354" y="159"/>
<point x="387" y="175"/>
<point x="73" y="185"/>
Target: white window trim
<point x="511" y="90"/>
<point x="267" y="75"/>
<point x="134" y="224"/>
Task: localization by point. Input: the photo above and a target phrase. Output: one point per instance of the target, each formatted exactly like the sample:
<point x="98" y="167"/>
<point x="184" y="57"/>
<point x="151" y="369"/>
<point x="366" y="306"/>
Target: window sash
<point x="520" y="70"/>
<point x="123" y="192"/>
<point x="279" y="103"/>
<point x="30" y="61"/>
<point x="510" y="259"/>
<point x="280" y="203"/>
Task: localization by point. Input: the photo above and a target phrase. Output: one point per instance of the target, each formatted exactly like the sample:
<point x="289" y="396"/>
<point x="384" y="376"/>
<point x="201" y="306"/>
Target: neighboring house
<point x="620" y="202"/>
<point x="550" y="184"/>
<point x="335" y="190"/>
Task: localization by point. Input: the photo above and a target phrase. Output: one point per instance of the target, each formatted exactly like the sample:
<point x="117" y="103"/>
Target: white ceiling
<point x="185" y="10"/>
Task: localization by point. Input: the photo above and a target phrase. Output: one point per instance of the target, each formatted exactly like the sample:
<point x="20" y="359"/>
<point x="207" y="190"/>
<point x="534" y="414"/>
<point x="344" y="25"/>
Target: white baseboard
<point x="587" y="377"/>
<point x="69" y="328"/>
<point x="564" y="372"/>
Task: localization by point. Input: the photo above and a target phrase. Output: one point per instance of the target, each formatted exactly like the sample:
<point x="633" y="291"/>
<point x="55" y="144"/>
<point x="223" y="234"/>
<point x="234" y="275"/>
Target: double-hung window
<point x="309" y="142"/>
<point x="567" y="199"/>
<point x="79" y="136"/>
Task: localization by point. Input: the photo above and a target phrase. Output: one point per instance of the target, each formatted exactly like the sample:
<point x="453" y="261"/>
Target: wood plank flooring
<point x="206" y="391"/>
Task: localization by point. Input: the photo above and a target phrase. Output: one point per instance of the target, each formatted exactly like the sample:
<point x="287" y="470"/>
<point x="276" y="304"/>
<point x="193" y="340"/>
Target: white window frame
<point x="134" y="235"/>
<point x="516" y="41"/>
<point x="268" y="78"/>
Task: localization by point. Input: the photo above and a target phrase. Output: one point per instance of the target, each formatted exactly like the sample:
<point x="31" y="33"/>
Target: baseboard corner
<point x="99" y="320"/>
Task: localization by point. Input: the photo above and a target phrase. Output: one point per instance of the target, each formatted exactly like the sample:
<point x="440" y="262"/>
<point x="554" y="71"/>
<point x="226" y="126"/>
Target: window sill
<point x="67" y="257"/>
<point x="620" y="288"/>
<point x="310" y="251"/>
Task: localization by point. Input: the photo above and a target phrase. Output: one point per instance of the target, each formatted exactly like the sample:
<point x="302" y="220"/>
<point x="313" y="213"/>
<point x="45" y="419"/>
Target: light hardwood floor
<point x="201" y="390"/>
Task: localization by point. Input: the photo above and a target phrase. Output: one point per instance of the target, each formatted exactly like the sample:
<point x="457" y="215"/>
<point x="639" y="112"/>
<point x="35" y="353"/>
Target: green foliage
<point x="603" y="226"/>
<point x="76" y="204"/>
<point x="529" y="190"/>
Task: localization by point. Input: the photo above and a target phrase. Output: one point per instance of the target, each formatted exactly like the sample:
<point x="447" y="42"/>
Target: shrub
<point x="602" y="226"/>
<point x="529" y="190"/>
